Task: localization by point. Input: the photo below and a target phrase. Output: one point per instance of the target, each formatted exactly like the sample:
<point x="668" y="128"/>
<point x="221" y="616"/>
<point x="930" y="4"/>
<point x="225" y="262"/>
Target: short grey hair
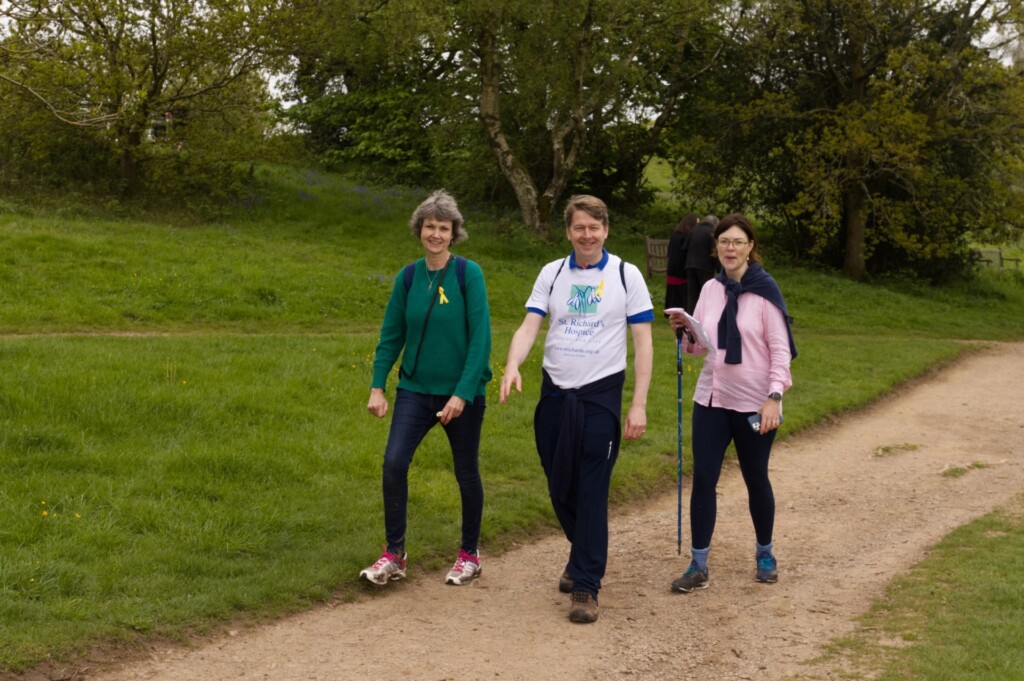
<point x="440" y="206"/>
<point x="711" y="220"/>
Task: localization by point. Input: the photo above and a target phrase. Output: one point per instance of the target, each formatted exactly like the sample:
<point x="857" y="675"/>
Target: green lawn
<point x="955" y="615"/>
<point x="183" y="434"/>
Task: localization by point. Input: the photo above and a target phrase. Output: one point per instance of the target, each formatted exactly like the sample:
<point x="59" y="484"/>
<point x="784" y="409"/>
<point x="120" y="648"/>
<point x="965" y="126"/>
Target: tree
<point x="552" y="77"/>
<point x="370" y="83"/>
<point x="121" y="66"/>
<point x="875" y="130"/>
<point x="536" y="86"/>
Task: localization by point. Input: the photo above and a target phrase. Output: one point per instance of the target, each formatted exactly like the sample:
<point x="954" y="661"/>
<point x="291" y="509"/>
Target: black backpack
<point x="622" y="276"/>
<point x="409" y="271"/>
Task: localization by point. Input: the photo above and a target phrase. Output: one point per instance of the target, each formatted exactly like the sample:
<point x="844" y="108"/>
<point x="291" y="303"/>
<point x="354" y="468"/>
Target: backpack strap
<point x="460" y="273"/>
<point x="622" y="275"/>
<point x="407" y="274"/>
<point x="552" y="289"/>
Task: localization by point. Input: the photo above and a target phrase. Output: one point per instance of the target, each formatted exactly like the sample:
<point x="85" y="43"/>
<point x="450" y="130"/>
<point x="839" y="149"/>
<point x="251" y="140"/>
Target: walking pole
<point x="679" y="441"/>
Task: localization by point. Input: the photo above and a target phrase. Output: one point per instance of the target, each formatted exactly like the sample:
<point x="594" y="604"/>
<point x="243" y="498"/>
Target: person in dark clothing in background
<point x="701" y="263"/>
<point x="675" y="271"/>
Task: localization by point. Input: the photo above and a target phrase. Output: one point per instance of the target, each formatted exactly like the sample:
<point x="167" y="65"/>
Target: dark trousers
<point x="584" y="514"/>
<point x="713" y="429"/>
<point x="414" y="415"/>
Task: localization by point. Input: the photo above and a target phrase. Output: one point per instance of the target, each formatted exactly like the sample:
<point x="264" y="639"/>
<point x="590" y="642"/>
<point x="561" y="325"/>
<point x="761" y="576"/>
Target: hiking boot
<point x="582" y="607"/>
<point x="693" y="578"/>
<point x="565" y="582"/>
<point x="388" y="567"/>
<point x="466" y="569"/>
<point x="767" y="569"/>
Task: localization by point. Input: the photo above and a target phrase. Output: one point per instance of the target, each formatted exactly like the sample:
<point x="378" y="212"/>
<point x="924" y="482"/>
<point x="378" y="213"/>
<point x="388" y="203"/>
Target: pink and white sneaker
<point x="466" y="569"/>
<point x="388" y="567"/>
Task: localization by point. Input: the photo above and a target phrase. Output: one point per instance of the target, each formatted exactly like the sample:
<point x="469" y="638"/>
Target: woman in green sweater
<point x="438" y="319"/>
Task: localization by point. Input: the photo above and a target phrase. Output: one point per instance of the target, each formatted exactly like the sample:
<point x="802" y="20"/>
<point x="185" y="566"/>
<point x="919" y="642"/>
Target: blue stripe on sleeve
<point x="641" y="317"/>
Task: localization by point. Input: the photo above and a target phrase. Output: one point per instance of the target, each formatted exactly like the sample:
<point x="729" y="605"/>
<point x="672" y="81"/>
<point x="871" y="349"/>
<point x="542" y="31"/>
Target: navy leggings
<point x="713" y="429"/>
<point x="414" y="416"/>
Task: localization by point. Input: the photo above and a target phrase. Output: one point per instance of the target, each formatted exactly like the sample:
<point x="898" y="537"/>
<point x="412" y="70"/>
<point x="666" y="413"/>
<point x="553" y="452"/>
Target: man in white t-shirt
<point x="590" y="298"/>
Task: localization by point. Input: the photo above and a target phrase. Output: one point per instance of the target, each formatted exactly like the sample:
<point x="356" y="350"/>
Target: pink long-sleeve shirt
<point x="765" y="339"/>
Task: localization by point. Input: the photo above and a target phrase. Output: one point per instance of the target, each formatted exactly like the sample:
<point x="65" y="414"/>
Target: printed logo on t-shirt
<point x="585" y="298"/>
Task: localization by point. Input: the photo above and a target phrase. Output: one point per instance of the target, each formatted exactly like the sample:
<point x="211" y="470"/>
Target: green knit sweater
<point x="455" y="355"/>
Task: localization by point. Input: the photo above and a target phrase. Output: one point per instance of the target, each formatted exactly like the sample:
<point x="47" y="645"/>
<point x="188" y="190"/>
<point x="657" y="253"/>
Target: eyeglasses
<point x="735" y="243"/>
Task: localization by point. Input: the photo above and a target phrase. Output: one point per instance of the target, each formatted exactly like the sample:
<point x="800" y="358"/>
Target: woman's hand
<point x="378" y="404"/>
<point x="452" y="410"/>
<point x="678" y="322"/>
<point x="770" y="412"/>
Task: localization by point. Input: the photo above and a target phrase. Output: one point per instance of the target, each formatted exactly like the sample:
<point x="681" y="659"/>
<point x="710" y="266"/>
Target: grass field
<point x="183" y="435"/>
<point x="955" y="615"/>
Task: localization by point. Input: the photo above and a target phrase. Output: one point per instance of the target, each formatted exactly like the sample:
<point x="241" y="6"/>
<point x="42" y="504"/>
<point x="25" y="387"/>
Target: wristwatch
<point x="775" y="396"/>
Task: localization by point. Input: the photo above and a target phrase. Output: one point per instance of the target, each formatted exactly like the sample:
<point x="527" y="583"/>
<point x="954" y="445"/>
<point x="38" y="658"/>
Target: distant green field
<point x="183" y="434"/>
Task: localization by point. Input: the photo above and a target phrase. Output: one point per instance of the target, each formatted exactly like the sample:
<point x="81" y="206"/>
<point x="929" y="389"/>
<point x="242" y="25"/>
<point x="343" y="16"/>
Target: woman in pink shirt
<point x="745" y="374"/>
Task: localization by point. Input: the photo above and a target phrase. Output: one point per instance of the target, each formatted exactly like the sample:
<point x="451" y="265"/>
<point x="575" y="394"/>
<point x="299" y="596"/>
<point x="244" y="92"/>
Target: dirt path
<point x="849" y="519"/>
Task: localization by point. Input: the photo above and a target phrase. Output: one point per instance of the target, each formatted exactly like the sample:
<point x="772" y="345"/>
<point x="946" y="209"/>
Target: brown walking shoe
<point x="582" y="607"/>
<point x="565" y="582"/>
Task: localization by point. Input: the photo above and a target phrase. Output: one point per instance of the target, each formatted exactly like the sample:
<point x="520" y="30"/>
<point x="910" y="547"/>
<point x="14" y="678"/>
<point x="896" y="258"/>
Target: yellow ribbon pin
<point x="440" y="292"/>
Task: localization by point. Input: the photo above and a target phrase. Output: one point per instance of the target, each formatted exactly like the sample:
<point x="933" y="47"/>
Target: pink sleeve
<point x="777" y="336"/>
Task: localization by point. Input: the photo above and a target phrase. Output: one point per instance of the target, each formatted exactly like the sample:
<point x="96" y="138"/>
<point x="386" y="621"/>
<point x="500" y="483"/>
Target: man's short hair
<point x="591" y="205"/>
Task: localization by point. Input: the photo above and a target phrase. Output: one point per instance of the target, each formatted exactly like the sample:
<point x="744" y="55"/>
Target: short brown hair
<point x="591" y="205"/>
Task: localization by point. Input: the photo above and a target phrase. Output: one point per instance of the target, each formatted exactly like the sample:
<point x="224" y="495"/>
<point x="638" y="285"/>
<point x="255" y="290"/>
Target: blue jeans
<point x="713" y="429"/>
<point x="414" y="415"/>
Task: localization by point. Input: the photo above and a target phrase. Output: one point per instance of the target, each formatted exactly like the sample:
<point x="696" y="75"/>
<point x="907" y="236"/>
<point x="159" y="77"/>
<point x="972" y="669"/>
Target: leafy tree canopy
<point x="125" y="70"/>
<point x="480" y="92"/>
<point x="872" y="135"/>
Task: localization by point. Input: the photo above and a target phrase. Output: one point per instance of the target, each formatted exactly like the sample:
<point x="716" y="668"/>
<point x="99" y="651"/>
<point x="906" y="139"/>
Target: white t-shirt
<point x="588" y="311"/>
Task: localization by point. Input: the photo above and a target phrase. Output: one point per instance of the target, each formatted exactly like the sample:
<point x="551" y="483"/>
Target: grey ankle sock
<point x="700" y="557"/>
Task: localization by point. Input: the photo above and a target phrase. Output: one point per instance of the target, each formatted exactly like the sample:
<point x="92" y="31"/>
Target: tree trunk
<point x="511" y="167"/>
<point x="855" y="205"/>
<point x="562" y="163"/>
<point x="129" y="164"/>
<point x="567" y="139"/>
